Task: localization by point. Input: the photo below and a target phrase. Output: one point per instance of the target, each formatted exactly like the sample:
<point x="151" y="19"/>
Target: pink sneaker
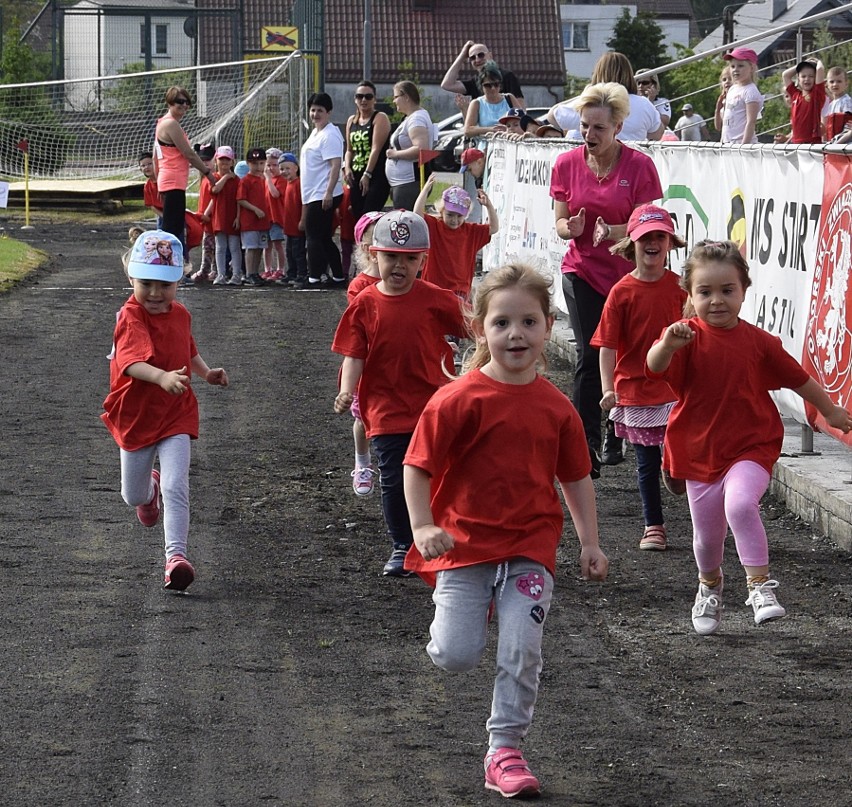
<point x="179" y="573"/>
<point x="507" y="772"/>
<point x="362" y="480"/>
<point x="276" y="275"/>
<point x="149" y="514"/>
<point x="266" y="274"/>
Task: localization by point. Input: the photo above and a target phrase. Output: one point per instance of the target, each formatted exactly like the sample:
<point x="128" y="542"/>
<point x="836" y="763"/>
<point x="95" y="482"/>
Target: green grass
<point x="17" y="260"/>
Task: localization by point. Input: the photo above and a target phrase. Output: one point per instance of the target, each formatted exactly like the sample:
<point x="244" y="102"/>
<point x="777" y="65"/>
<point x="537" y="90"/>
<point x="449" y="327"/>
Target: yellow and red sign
<point x="281" y="38"/>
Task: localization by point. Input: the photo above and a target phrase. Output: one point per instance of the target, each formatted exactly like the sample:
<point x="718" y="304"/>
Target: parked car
<point x="451" y="142"/>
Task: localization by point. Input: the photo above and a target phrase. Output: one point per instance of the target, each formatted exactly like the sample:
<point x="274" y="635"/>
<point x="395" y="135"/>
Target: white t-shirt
<point x="399" y="172"/>
<point x="321" y="146"/>
<point x="663" y="106"/>
<point x="734" y="113"/>
<point x="642" y="120"/>
<point x="568" y="120"/>
<point x="837" y="105"/>
<point x="689" y="127"/>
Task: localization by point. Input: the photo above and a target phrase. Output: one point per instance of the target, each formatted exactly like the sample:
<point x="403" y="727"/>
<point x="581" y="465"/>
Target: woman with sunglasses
<point x="649" y="86"/>
<point x="643" y="122"/>
<point x="484" y="113"/>
<point x="367" y="133"/>
<point x="173" y="157"/>
<point x="413" y="134"/>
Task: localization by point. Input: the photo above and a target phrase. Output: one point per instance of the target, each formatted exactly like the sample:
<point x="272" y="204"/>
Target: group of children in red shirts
<point x="820" y="108"/>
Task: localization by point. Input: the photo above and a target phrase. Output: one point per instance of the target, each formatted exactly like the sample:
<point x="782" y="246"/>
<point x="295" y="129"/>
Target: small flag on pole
<point x="426" y="155"/>
<point x="24" y="145"/>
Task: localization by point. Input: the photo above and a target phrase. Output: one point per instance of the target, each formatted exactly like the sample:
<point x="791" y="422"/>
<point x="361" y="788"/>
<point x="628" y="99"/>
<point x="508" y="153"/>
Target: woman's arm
<point x="568" y="226"/>
<point x="420" y="139"/>
<point x="177" y="138"/>
<point x="471" y="121"/>
<point x="347" y="156"/>
<point x="333" y="176"/>
<point x="381" y="133"/>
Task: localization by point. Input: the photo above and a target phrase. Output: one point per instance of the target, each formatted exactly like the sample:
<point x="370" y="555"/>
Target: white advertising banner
<point x="769" y="201"/>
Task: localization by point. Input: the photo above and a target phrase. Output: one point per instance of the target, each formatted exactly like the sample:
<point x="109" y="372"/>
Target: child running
<point x="151" y="409"/>
<point x="725" y="433"/>
<point x="639" y="306"/>
<point x="391" y="337"/>
<point x="454" y="242"/>
<point x="368" y="275"/>
<point x="743" y="100"/>
<point x="482" y="540"/>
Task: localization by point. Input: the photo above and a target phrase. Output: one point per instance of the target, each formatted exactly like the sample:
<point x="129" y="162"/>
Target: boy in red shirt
<point x="392" y="340"/>
<point x="454" y="241"/>
<point x="806" y="100"/>
<point x="207" y="270"/>
<point x="276" y="183"/>
<point x="254" y="215"/>
<point x="294" y="223"/>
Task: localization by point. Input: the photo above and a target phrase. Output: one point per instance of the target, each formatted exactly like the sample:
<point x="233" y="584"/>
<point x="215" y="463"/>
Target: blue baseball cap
<point x="156" y="255"/>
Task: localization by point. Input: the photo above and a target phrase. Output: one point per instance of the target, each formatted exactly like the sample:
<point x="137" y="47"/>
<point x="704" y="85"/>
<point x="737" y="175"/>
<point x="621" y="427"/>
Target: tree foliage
<point x="639" y="38"/>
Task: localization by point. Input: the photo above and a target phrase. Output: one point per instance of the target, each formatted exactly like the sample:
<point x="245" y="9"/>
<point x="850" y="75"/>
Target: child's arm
<point x="820" y="72"/>
<point x="431" y="541"/>
<point x="580" y="498"/>
<point x="717" y="115"/>
<point x="493" y="221"/>
<point x="787" y="77"/>
<point x="270" y="185"/>
<point x="175" y="382"/>
<point x="249" y="206"/>
<point x="420" y="202"/>
<point x="350" y="375"/>
<point x="607" y="360"/>
<point x="660" y="355"/>
<point x="222" y="181"/>
<point x="835" y="415"/>
<point x="216" y="376"/>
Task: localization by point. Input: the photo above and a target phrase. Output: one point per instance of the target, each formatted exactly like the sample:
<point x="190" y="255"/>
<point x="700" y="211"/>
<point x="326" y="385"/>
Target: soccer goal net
<point x="97" y="127"/>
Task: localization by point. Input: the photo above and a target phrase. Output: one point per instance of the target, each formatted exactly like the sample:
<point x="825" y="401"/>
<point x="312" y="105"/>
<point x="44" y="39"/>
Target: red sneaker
<point x="179" y="573"/>
<point x="149" y="514"/>
<point x="507" y="772"/>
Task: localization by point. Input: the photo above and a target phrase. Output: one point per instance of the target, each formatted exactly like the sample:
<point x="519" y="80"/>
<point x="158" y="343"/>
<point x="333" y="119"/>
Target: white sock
<point x="362" y="460"/>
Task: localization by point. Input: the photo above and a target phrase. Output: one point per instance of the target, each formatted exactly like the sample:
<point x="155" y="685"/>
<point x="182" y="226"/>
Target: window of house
<point x="575" y="35"/>
<point x="159" y="38"/>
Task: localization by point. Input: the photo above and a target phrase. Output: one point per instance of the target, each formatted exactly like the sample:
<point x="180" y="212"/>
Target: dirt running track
<point x="293" y="673"/>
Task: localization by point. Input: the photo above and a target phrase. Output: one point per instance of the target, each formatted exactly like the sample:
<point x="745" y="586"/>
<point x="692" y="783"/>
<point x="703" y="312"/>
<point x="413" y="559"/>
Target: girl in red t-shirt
<point x="639" y="306"/>
<point x="151" y="410"/>
<point x="483" y="540"/>
<point x="725" y="433"/>
<point x="225" y="219"/>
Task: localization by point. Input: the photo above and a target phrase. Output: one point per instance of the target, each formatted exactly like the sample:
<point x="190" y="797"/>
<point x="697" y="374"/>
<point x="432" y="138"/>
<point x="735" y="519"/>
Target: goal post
<point x="95" y="128"/>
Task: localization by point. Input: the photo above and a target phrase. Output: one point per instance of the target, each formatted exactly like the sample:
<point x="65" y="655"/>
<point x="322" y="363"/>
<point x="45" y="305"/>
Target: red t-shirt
<point x="401" y="339"/>
<point x="139" y="413"/>
<point x="451" y="262"/>
<point x="358" y="284"/>
<point x="806" y="114"/>
<point x="253" y="190"/>
<point x="151" y="196"/>
<point x="205" y="194"/>
<point x="633" y="181"/>
<point x="293" y="208"/>
<point x="225" y="208"/>
<point x="470" y="437"/>
<point x="724" y="412"/>
<point x="276" y="203"/>
<point x="634" y="314"/>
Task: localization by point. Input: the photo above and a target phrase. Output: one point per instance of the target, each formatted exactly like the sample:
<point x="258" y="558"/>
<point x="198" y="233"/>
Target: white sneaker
<point x="766" y="606"/>
<point x="707" y="611"/>
<point x="362" y="480"/>
<point x="236" y="280"/>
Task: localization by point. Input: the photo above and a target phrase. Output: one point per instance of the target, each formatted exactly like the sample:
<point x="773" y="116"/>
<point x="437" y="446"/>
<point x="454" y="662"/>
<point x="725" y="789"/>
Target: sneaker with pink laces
<point x="149" y="514"/>
<point x="179" y="573"/>
<point x="276" y="276"/>
<point x="507" y="772"/>
<point x="362" y="480"/>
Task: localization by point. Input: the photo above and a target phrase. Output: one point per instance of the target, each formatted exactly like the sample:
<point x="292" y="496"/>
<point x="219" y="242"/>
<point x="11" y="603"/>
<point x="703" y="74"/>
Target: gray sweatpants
<point x="521" y="590"/>
<point x="137" y="487"/>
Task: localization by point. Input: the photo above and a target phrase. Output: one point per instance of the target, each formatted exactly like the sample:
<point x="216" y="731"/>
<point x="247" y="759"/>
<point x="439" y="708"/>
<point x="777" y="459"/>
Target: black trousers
<point x="322" y="251"/>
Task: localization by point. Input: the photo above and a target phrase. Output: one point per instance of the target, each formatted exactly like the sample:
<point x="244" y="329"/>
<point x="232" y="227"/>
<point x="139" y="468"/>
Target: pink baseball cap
<point x="226" y="152"/>
<point x="456" y="200"/>
<point x="648" y="219"/>
<point x="364" y="222"/>
<point x="742" y="55"/>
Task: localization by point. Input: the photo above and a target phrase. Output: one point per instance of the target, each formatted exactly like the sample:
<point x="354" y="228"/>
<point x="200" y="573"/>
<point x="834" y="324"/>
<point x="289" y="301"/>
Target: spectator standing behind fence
<point x="484" y="113"/>
<point x="743" y="101"/>
<point x="649" y="86"/>
<point x="173" y="157"/>
<point x="691" y="126"/>
<point x="807" y="99"/>
<point x="595" y="189"/>
<point x="476" y="56"/>
<point x="725" y="433"/>
<point x="367" y="134"/>
<point x="412" y="135"/>
<point x="643" y="121"/>
<point x="837" y="111"/>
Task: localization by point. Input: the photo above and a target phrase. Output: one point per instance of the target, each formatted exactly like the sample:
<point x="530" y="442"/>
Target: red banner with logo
<point x="827" y="353"/>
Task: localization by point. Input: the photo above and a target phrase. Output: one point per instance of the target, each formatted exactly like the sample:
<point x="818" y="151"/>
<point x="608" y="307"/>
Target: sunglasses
<point x="642" y="82"/>
<point x="474" y="56"/>
<point x="490" y="84"/>
<point x="364" y="96"/>
<point x="182" y="102"/>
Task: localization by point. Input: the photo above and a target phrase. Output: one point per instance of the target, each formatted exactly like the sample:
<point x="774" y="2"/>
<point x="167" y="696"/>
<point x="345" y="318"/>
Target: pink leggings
<point x="732" y="499"/>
